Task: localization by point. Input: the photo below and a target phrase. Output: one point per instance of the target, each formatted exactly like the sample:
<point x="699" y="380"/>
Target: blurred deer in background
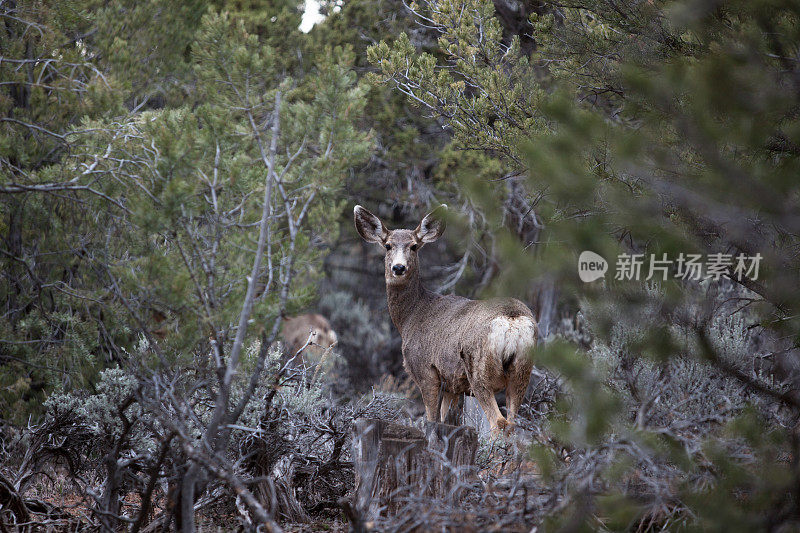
<point x="452" y="345"/>
<point x="310" y="332"/>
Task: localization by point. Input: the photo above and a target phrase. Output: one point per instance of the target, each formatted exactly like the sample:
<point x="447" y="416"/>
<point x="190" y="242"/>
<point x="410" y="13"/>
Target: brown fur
<point x="296" y="330"/>
<point x="450" y="340"/>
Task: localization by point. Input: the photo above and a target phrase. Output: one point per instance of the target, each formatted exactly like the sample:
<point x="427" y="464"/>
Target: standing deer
<point x="452" y="345"/>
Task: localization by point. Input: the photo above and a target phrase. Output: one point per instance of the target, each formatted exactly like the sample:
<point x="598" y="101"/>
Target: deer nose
<point x="398" y="269"/>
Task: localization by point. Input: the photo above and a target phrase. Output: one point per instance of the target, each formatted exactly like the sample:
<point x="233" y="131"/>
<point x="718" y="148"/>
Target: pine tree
<point x="652" y="128"/>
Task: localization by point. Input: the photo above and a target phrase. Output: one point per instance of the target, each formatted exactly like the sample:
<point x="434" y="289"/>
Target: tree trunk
<point x="475" y="417"/>
<point x="393" y="462"/>
<point x="186" y="502"/>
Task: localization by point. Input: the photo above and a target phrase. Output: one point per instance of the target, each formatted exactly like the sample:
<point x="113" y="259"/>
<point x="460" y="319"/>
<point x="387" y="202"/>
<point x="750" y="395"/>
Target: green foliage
<point x="406" y="142"/>
<point x="53" y="329"/>
<point x="654" y="128"/>
<point x="139" y="140"/>
<point x="205" y="173"/>
<point x="687" y="157"/>
<point x="151" y="216"/>
<point x="275" y="22"/>
<point x="488" y="92"/>
<point x="146" y="45"/>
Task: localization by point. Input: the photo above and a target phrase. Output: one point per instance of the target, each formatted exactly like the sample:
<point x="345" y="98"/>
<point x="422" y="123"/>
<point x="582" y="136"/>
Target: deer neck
<point x="404" y="300"/>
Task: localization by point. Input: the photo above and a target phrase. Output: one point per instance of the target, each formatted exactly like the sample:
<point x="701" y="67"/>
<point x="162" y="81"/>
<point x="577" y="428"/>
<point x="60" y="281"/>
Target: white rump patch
<point x="511" y="336"/>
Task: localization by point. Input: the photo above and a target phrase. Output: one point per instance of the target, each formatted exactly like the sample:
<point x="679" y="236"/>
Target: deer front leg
<point x="429" y="387"/>
<point x="488" y="403"/>
<point x="431" y="402"/>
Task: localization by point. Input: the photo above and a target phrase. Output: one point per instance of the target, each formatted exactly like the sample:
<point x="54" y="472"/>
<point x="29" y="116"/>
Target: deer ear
<point x="369" y="226"/>
<point x="432" y="226"/>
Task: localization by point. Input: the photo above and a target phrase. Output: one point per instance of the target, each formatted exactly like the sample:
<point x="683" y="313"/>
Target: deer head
<point x="400" y="245"/>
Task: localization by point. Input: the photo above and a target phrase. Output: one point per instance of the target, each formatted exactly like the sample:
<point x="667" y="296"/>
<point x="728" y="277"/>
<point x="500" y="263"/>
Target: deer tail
<point x="510" y="337"/>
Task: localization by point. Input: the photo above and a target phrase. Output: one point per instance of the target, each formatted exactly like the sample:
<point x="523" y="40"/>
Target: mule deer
<point x="298" y="330"/>
<point x="452" y="345"/>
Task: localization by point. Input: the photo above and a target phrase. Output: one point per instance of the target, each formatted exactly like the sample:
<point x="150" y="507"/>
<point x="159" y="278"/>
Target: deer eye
<point x="388" y="246"/>
<point x="413" y="247"/>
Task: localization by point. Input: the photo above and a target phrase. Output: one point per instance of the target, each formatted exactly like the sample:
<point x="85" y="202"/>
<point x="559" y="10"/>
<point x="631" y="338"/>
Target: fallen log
<point x="392" y="461"/>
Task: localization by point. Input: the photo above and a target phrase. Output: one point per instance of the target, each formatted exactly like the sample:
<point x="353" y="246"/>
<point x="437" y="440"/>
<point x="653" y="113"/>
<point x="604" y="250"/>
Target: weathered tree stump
<point x="392" y="461"/>
<point x="455" y="448"/>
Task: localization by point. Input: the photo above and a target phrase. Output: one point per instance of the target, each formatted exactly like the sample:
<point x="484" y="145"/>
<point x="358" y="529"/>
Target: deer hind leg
<point x="517" y="383"/>
<point x="515" y="391"/>
<point x="488" y="403"/>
